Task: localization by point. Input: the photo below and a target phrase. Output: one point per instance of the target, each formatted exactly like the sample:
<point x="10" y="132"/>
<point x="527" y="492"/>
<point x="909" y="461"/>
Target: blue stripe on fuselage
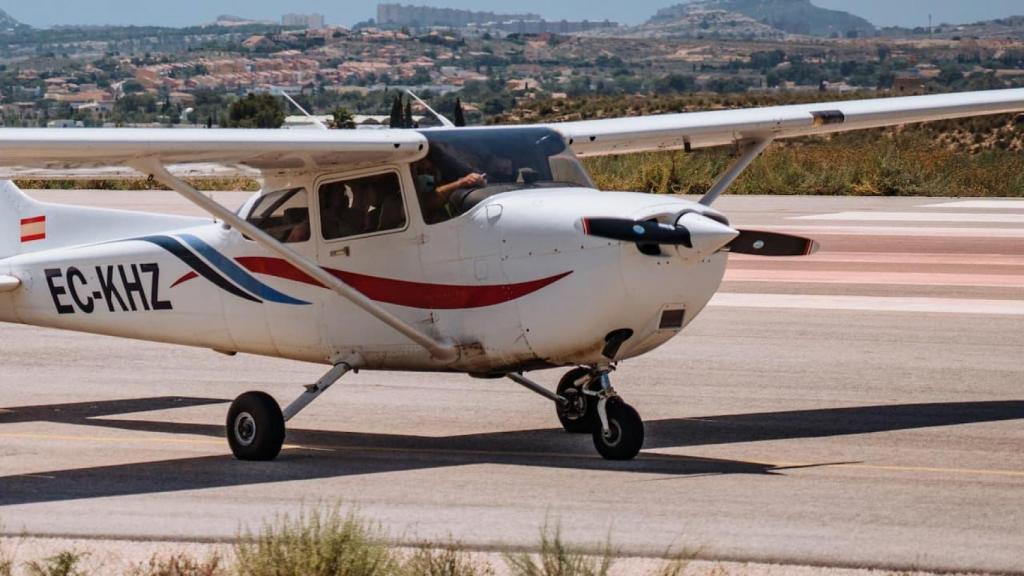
<point x="237" y="273"/>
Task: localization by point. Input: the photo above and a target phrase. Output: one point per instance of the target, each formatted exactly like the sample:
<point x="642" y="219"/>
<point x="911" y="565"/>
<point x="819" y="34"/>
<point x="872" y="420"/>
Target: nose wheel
<point x="586" y="402"/>
<point x="620" y="435"/>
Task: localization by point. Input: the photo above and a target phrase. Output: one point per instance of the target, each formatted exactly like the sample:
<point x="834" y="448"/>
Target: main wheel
<point x="625" y="435"/>
<point x="255" y="427"/>
<point x="580" y="413"/>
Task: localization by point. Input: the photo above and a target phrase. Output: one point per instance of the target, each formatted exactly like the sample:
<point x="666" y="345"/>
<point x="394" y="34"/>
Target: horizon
<point x="881" y="13"/>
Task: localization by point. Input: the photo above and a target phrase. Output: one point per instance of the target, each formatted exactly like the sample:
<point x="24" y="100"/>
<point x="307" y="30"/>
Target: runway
<point x="862" y="407"/>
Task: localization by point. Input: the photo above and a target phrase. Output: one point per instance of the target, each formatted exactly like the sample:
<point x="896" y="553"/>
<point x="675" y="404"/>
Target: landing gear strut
<point x="586" y="402"/>
<point x="256" y="423"/>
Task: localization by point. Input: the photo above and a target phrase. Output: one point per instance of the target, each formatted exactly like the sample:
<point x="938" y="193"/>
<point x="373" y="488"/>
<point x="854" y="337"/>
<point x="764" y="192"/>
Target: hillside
<point x="786" y="16"/>
<point x="8" y="23"/>
<point x="1003" y="28"/>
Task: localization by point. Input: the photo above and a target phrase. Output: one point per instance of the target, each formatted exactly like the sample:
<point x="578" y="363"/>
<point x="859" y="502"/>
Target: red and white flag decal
<point x="33" y="229"/>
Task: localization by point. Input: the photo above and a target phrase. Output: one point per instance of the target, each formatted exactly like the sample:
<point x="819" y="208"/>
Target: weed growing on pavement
<point x="181" y="565"/>
<point x="450" y="561"/>
<point x="316" y="543"/>
<point x="6" y="563"/>
<point x="556" y="558"/>
<point x="67" y="563"/>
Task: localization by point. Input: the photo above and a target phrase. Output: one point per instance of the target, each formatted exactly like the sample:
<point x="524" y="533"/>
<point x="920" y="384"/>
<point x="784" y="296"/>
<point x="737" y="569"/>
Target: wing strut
<point x="751" y="150"/>
<point x="443" y="351"/>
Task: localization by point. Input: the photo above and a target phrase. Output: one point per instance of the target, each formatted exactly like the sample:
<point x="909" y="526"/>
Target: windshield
<point x="464" y="167"/>
<point x="283" y="214"/>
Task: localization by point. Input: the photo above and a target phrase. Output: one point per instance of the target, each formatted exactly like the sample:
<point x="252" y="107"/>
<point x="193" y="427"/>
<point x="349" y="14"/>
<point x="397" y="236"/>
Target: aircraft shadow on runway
<point x="327" y="454"/>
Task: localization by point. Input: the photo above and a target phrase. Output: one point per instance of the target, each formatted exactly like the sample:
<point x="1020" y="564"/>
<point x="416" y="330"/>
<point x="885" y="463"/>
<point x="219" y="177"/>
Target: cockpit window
<point x="283" y="214"/>
<point x="464" y="167"/>
<point x="361" y="206"/>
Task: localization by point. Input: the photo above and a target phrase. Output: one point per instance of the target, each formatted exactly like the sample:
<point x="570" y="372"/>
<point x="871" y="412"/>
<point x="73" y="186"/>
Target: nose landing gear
<point x="586" y="402"/>
<point x="578" y="414"/>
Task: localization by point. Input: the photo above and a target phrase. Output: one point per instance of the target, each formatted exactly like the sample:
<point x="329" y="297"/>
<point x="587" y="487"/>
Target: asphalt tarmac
<point x="862" y="407"/>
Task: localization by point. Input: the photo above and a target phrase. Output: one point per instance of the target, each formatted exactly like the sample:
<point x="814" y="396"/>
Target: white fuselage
<point x="515" y="282"/>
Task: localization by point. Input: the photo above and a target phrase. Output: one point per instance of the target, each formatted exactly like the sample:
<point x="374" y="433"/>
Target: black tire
<point x="626" y="432"/>
<point x="255" y="427"/>
<point x="579" y="415"/>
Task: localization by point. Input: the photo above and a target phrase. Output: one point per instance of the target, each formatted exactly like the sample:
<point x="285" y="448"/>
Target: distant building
<point x="396" y="15"/>
<point x="542" y="26"/>
<point x="908" y="85"/>
<point x="308" y="21"/>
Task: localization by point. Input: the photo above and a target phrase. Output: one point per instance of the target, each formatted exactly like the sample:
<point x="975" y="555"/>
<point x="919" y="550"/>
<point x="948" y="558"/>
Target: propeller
<point x="638" y="231"/>
<point x="772" y="244"/>
<point x="701" y="234"/>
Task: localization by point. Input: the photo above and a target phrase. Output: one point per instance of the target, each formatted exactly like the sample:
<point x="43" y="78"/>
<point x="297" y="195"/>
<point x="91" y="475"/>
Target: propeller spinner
<point x="700" y="233"/>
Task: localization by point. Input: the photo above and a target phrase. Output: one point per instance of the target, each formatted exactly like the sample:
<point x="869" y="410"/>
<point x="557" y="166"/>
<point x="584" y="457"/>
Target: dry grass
<point x="316" y="543"/>
<point x="450" y="561"/>
<point x="6" y="563"/>
<point x="67" y="563"/>
<point x="556" y="558"/>
<point x="181" y="565"/>
<point x="208" y="184"/>
<point x="328" y="542"/>
<point x="862" y="165"/>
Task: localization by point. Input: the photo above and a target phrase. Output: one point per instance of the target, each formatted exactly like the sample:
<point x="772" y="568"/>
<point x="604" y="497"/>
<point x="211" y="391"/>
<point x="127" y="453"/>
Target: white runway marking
<point x="927" y="232"/>
<point x="870" y="303"/>
<point x="873" y="278"/>
<point x="911" y="258"/>
<point x="977" y="217"/>
<point x="981" y="205"/>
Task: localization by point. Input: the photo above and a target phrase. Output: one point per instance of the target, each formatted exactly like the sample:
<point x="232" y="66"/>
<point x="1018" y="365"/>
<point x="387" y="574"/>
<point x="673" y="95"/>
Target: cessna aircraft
<point x="483" y="251"/>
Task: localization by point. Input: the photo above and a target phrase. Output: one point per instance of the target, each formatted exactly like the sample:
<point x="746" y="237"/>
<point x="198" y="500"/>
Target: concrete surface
<point x="862" y="407"/>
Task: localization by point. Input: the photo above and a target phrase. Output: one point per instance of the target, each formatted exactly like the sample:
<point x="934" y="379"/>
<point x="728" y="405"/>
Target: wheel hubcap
<point x="614" y="434"/>
<point x="576" y="408"/>
<point x="245" y="429"/>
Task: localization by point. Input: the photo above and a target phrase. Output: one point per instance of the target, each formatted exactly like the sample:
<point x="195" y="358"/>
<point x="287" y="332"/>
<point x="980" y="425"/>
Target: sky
<point x="45" y="13"/>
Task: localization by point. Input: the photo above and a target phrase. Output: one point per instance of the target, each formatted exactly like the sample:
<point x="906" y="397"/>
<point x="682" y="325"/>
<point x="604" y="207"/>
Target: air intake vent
<point x="672" y="320"/>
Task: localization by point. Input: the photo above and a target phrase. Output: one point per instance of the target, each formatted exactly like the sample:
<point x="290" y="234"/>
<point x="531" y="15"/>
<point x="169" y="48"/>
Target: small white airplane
<point x="484" y="251"/>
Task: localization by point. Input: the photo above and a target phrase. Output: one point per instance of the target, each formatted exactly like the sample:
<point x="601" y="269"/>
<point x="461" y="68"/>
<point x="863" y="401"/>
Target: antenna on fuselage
<point x="440" y="117"/>
<point x="315" y="120"/>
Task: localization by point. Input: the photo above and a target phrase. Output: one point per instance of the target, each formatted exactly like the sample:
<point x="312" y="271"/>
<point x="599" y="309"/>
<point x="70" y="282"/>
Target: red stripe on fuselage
<point x="404" y="293"/>
<point x="185" y="278"/>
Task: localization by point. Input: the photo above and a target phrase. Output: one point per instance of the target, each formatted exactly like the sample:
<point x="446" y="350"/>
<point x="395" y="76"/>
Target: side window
<point x="361" y="206"/>
<point x="283" y="214"/>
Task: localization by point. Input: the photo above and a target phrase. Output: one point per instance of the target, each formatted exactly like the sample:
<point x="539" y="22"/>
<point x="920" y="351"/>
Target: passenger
<point x="502" y="170"/>
<point x="336" y="214"/>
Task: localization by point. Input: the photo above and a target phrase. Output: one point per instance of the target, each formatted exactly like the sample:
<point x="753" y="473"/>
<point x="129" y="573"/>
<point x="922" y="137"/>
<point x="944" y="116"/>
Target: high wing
<point x="717" y="128"/>
<point x="260" y="149"/>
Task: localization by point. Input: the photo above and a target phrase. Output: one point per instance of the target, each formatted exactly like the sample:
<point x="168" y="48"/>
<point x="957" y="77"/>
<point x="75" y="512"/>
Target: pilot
<point x="300" y="232"/>
<point x="436" y="198"/>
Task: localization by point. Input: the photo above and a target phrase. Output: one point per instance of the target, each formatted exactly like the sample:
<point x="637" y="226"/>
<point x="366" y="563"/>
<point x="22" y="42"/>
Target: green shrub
<point x="316" y="543"/>
<point x="450" y="561"/>
<point x="558" y="559"/>
<point x="64" y="564"/>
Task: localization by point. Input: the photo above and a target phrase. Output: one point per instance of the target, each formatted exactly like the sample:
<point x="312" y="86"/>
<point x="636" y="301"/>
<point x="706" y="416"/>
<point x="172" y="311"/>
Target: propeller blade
<point x="772" y="244"/>
<point x="640" y="232"/>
